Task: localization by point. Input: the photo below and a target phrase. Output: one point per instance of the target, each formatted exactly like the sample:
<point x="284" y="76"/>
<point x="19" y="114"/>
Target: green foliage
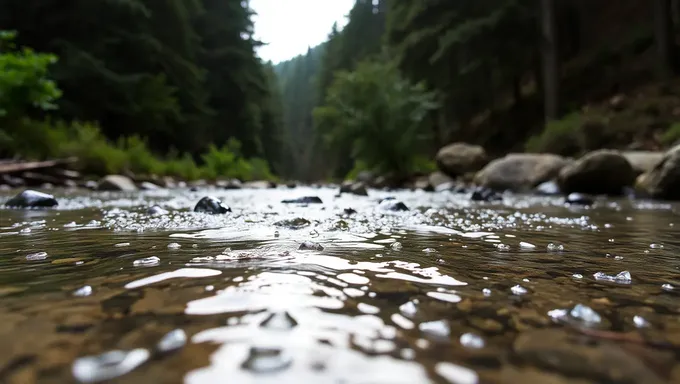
<point x="382" y="116"/>
<point x="572" y="135"/>
<point x="24" y="82"/>
<point x="671" y="135"/>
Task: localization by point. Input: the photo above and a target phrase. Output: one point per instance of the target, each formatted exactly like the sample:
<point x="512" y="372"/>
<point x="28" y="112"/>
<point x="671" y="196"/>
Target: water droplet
<point x="266" y="360"/>
<point x="396" y="246"/>
<point x="518" y="290"/>
<point x="618" y="257"/>
<point x="503" y="247"/>
<point x="577" y="276"/>
<point x="408" y="309"/>
<point x="147" y="261"/>
<point x="470" y="340"/>
<point x="108" y="365"/>
<point x="83" y="291"/>
<point x="172" y="341"/>
<point x="656" y="246"/>
<point x="525" y="245"/>
<point x="36" y="256"/>
<point x="486" y="292"/>
<point x="174" y="246"/>
<point x="667" y="287"/>
<point x="439" y="328"/>
<point x="25" y="231"/>
<point x="585" y="314"/>
<point x="122" y="245"/>
<point x="280" y="321"/>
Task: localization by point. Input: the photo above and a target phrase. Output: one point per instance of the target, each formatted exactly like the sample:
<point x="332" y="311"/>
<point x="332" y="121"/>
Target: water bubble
<point x="36" y="256"/>
<point x="109" y="365"/>
<point x="667" y="287"/>
<point x="396" y="246"/>
<point x="172" y="341"/>
<point x="266" y="360"/>
<point x="147" y="261"/>
<point x="552" y="247"/>
<point x="503" y="247"/>
<point x="577" y="276"/>
<point x="486" y="292"/>
<point x="518" y="290"/>
<point x="470" y="340"/>
<point x="174" y="246"/>
<point x="83" y="291"/>
<point x="209" y="288"/>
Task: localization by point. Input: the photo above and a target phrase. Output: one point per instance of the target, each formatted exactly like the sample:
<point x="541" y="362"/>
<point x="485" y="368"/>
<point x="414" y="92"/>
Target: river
<point x="451" y="291"/>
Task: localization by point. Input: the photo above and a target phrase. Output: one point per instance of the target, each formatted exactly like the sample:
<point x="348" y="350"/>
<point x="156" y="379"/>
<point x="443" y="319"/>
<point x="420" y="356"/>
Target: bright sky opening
<point x="289" y="27"/>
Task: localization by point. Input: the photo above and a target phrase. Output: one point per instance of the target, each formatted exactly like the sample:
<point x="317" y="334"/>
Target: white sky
<point x="291" y="26"/>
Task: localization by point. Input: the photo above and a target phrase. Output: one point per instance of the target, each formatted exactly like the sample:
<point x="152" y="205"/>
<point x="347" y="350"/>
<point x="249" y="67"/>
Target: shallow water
<point x="450" y="291"/>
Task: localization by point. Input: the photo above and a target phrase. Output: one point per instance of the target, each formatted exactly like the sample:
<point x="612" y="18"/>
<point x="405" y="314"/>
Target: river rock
<point x="32" y="199"/>
<point x="663" y="181"/>
<point x="354" y="188"/>
<point x="211" y="205"/>
<point x="148" y="186"/>
<point x="485" y="194"/>
<point x="576" y="198"/>
<point x="459" y="158"/>
<point x="548" y="188"/>
<point x="599" y="172"/>
<point x="303" y="200"/>
<point x="392" y="205"/>
<point x="116" y="183"/>
<point x="230" y="184"/>
<point x="520" y="171"/>
<point x="262" y="184"/>
<point x="643" y="161"/>
<point x="441" y="181"/>
<point x="156" y="210"/>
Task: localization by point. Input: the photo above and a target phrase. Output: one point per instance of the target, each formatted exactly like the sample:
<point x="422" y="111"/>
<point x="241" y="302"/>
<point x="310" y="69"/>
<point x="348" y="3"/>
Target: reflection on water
<point x="526" y="290"/>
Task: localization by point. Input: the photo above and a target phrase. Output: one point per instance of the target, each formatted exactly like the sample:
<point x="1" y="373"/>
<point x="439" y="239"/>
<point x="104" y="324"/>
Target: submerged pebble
<point x="109" y="365"/>
<point x="303" y="200"/>
<point x="310" y="246"/>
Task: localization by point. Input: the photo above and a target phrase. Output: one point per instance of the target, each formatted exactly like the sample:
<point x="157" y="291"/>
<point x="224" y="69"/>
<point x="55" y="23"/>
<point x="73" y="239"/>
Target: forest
<point x="174" y="87"/>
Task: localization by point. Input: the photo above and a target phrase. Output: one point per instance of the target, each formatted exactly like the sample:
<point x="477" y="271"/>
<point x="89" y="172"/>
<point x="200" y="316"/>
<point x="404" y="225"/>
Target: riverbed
<point x="525" y="289"/>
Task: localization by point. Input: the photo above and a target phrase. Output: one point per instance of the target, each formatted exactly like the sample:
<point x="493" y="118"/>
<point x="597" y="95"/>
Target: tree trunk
<point x="551" y="72"/>
<point x="663" y="37"/>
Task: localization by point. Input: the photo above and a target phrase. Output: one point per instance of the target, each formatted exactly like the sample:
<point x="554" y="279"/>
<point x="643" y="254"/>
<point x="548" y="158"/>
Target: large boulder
<point x="663" y="181"/>
<point x="643" y="161"/>
<point x="599" y="172"/>
<point x="520" y="171"/>
<point x="460" y="158"/>
<point x="440" y="181"/>
<point x="116" y="183"/>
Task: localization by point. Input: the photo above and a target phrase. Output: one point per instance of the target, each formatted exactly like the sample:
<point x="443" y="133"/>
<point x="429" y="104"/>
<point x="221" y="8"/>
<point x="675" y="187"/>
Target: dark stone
<point x="485" y="194"/>
<point x="291" y="184"/>
<point x="349" y="211"/>
<point x="310" y="246"/>
<point x="211" y="205"/>
<point x="390" y="204"/>
<point x="296" y="223"/>
<point x="353" y="188"/>
<point x="232" y="184"/>
<point x="548" y="188"/>
<point x="304" y="200"/>
<point x="156" y="210"/>
<point x="579" y="199"/>
<point x="32" y="199"/>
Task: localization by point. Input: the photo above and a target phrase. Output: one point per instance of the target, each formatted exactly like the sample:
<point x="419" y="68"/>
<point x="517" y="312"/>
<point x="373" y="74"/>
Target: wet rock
<point x="520" y="171"/>
<point x="32" y="199"/>
<point x="349" y="211"/>
<point x="116" y="183"/>
<point x="663" y="181"/>
<point x="439" y="181"/>
<point x="548" y="188"/>
<point x="576" y="198"/>
<point x="197" y="184"/>
<point x="148" y="186"/>
<point x="91" y="185"/>
<point x="310" y="246"/>
<point x="485" y="194"/>
<point x="354" y="188"/>
<point x="570" y="354"/>
<point x="392" y="205"/>
<point x="304" y="200"/>
<point x="599" y="172"/>
<point x="643" y="161"/>
<point x="109" y="365"/>
<point x="168" y="182"/>
<point x="291" y="185"/>
<point x="231" y="184"/>
<point x="296" y="223"/>
<point x="156" y="210"/>
<point x="459" y="158"/>
<point x="211" y="205"/>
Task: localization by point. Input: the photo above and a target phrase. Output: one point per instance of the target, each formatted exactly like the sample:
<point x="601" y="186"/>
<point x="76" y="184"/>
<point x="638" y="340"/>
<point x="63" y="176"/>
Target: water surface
<point x="451" y="291"/>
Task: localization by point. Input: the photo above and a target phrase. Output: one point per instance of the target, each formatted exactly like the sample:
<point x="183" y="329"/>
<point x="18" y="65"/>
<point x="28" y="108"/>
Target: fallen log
<point x="34" y="165"/>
